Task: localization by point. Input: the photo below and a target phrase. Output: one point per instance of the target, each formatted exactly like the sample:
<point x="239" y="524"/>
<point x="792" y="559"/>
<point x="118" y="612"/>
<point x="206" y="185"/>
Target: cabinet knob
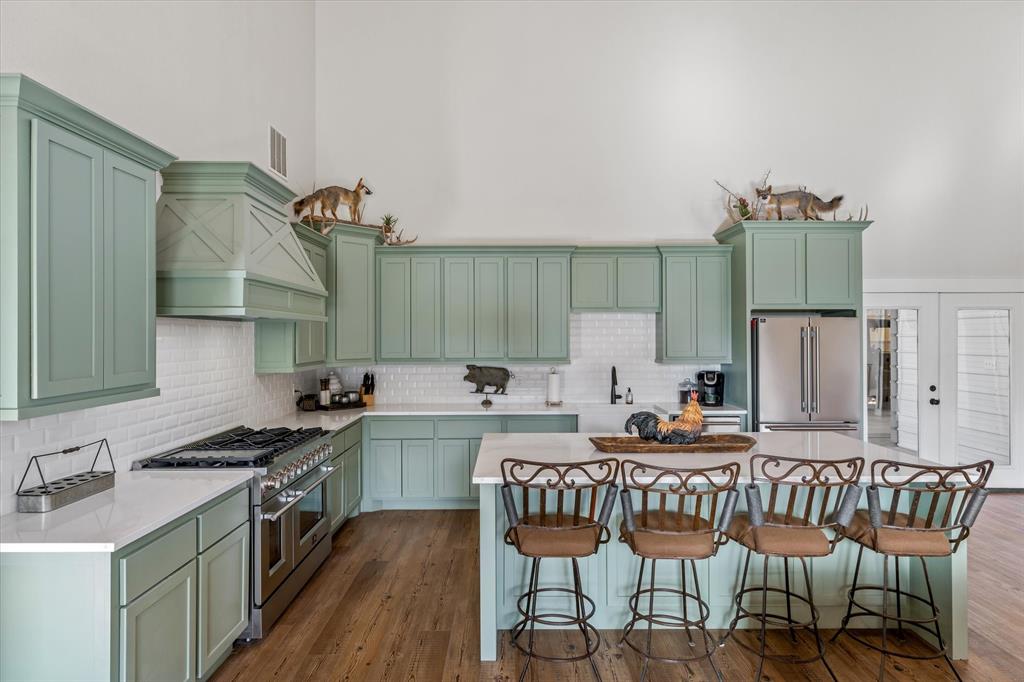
<point x="933" y="401"/>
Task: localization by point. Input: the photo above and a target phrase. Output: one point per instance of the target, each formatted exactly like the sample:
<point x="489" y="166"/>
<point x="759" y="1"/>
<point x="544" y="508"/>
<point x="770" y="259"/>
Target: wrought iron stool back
<point x="683" y="514"/>
<point x="568" y="524"/>
<point x="929" y="513"/>
<point x="805" y="498"/>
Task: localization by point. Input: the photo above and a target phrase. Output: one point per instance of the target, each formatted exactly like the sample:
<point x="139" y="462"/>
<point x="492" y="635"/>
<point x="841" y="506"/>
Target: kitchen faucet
<point x="615" y="381"/>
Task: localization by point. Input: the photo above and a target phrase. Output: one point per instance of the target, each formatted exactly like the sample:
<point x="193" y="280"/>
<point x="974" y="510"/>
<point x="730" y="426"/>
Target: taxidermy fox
<point x="330" y="198"/>
<point x="808" y="204"/>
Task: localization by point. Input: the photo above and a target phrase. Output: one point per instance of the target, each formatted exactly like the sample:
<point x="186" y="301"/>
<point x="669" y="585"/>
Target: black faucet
<point x="615" y="382"/>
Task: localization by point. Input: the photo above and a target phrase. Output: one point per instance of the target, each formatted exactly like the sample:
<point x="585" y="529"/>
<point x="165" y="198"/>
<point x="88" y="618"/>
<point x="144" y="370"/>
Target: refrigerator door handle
<point x="815" y="368"/>
<point x="803" y="369"/>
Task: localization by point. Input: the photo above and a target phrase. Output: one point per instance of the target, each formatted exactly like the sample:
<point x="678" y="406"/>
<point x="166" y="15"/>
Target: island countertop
<point x="576" y="447"/>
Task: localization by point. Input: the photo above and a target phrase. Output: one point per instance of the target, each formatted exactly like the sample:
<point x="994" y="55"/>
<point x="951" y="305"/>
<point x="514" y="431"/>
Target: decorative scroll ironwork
<point x="560" y="476"/>
<point x="769" y="468"/>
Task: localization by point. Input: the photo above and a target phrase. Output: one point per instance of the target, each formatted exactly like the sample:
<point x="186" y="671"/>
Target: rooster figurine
<point x="685" y="430"/>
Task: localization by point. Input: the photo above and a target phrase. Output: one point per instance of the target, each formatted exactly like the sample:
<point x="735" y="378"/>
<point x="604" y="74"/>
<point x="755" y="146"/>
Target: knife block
<point x="366" y="397"/>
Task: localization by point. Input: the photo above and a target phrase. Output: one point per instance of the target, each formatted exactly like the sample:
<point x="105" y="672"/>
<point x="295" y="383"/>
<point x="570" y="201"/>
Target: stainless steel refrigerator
<point x="806" y="372"/>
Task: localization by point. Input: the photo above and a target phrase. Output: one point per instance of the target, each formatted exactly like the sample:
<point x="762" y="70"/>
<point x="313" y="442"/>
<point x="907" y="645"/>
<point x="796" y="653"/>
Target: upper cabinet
<point x="283" y="346"/>
<point x="468" y="304"/>
<point x="694" y="324"/>
<point x="351" y="306"/>
<point x="77" y="198"/>
<point x="799" y="265"/>
<point x="616" y="278"/>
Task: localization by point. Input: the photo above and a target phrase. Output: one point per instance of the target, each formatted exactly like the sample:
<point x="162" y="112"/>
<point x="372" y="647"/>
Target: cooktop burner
<point x="240" y="447"/>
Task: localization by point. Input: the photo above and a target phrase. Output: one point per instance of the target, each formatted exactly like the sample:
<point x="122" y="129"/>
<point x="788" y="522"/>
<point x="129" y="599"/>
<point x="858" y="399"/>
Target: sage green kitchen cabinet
<point x="541" y="424"/>
<point x="409" y="307"/>
<point x="616" y="278"/>
<point x="522" y="307"/>
<point x="695" y="323"/>
<point x="77" y="319"/>
<point x="777" y="274"/>
<point x="452" y="468"/>
<point x="553" y="308"/>
<point x="386" y="468"/>
<point x="474" y="452"/>
<point x="394" y="308"/>
<point x="417" y="468"/>
<point x="286" y="346"/>
<point x="223" y="598"/>
<point x="345" y="487"/>
<point x="158" y="630"/>
<point x="489" y="307"/>
<point x="834" y="269"/>
<point x="336" y="502"/>
<point x="593" y="282"/>
<point x="352" y="477"/>
<point x="459" y="323"/>
<point x="351" y="302"/>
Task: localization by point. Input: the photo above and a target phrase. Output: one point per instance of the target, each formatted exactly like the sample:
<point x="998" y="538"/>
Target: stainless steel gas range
<point x="290" y="520"/>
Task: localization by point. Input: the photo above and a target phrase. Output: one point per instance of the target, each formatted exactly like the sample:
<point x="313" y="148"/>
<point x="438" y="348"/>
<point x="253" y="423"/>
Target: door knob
<point x="933" y="401"/>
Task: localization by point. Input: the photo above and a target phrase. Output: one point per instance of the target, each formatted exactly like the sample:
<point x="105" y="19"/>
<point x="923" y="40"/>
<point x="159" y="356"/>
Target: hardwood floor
<point x="397" y="600"/>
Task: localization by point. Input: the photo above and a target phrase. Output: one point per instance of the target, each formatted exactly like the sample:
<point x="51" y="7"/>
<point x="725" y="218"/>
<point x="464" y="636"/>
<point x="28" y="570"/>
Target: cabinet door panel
<point x="593" y="283"/>
<point x="522" y="307"/>
<point x="317" y="332"/>
<point x="426" y="308"/>
<point x="489" y="307"/>
<point x="452" y="468"/>
<point x="778" y="276"/>
<point x="336" y="501"/>
<point x="833" y="269"/>
<point x="223" y="596"/>
<point x="638" y="282"/>
<point x="158" y="631"/>
<point x="354" y="300"/>
<point x="417" y="468"/>
<point x="474" y="452"/>
<point x="459" y="328"/>
<point x="129" y="205"/>
<point x="553" y="307"/>
<point x="714" y="340"/>
<point x="386" y="468"/>
<point x="353" y="479"/>
<point x="680" y="307"/>
<point x="394" y="313"/>
<point x="67" y="263"/>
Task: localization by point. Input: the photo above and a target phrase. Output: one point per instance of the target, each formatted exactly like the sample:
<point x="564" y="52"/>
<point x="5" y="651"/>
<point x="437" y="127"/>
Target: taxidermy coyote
<point x="330" y="198"/>
<point x="808" y="204"/>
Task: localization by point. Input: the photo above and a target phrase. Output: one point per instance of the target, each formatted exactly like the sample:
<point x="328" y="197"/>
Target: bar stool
<point x="929" y="527"/>
<point x="683" y="522"/>
<point x="567" y="527"/>
<point x="800" y="509"/>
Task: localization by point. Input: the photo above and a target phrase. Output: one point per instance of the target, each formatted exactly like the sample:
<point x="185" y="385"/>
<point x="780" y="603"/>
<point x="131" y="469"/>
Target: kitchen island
<point x="609" y="577"/>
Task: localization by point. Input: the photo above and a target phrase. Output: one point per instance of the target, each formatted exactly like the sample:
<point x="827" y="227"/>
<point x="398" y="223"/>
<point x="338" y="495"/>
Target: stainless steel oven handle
<point x="292" y="501"/>
<point x="329" y="472"/>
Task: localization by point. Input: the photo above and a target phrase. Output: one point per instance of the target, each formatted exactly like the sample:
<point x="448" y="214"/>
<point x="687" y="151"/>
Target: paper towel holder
<point x="549" y="402"/>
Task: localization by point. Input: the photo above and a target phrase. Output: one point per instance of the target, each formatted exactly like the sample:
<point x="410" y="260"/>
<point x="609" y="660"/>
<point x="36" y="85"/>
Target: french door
<point x="945" y="378"/>
<point x="982" y="375"/>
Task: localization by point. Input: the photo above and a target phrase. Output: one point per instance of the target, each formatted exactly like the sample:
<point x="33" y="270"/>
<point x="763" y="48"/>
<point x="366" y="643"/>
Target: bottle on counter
<point x="629" y="396"/>
<point x="325" y="391"/>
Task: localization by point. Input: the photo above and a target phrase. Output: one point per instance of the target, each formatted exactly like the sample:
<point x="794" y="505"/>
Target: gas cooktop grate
<point x="241" y="447"/>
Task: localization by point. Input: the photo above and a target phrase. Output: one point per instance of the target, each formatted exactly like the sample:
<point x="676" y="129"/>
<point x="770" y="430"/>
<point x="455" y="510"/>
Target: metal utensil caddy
<point x="50" y="495"/>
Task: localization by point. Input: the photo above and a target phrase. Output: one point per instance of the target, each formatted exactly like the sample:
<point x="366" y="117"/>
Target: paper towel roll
<point x="554" y="388"/>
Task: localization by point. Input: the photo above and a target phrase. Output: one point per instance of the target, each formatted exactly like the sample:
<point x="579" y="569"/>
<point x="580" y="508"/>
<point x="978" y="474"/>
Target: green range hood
<point x="225" y="248"/>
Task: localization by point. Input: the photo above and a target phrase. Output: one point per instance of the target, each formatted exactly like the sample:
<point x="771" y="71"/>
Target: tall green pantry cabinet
<point x="77" y="255"/>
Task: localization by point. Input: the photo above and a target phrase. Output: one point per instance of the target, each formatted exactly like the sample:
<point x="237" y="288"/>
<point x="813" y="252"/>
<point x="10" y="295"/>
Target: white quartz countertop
<point x="576" y="447"/>
<point x="338" y="419"/>
<point x="139" y="503"/>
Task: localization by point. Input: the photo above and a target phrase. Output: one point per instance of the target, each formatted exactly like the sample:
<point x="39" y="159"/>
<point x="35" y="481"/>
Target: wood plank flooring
<point x="398" y="600"/>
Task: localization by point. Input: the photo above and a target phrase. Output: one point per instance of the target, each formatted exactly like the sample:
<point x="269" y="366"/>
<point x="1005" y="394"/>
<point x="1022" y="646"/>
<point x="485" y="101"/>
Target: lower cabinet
<point x="345" y="488"/>
<point x="408" y="469"/>
<point x="352" y="478"/>
<point x="223" y="597"/>
<point x="158" y="630"/>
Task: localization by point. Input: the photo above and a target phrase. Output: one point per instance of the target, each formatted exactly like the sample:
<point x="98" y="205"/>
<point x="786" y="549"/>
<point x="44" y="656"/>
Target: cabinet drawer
<point x="217" y="522"/>
<point x="559" y="424"/>
<point x="405" y="428"/>
<point x="145" y="567"/>
<point x="468" y="428"/>
<point x="353" y="435"/>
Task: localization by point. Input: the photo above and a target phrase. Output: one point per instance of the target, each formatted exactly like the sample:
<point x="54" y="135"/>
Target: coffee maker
<point x="711" y="387"/>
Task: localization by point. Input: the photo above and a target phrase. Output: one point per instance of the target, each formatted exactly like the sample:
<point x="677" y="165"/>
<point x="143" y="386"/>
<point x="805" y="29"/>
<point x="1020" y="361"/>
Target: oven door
<point x="311" y="515"/>
<point x="276" y="546"/>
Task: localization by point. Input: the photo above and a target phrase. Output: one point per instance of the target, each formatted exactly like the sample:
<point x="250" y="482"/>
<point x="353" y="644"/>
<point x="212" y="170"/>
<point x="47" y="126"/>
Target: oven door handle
<point x="329" y="471"/>
<point x="294" y="499"/>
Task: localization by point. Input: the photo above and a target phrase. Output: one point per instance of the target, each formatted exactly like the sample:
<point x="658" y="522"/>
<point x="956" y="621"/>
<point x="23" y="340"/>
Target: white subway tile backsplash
<point x="205" y="374"/>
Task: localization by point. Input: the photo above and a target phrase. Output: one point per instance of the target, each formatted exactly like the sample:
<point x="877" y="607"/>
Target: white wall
<point x="203" y="80"/>
<point x="204" y="369"/>
<point x="574" y="121"/>
<point x="597" y="341"/>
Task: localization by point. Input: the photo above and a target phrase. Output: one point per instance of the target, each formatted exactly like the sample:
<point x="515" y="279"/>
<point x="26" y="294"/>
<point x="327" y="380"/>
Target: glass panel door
<point x="982" y="401"/>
